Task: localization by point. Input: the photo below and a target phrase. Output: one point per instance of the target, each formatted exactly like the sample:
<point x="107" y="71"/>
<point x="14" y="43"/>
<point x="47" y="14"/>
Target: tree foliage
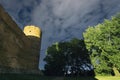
<point x="65" y="58"/>
<point x="103" y="43"/>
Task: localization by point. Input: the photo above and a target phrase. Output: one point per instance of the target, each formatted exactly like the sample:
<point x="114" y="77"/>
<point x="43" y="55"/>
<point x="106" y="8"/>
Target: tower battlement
<point x="32" y="31"/>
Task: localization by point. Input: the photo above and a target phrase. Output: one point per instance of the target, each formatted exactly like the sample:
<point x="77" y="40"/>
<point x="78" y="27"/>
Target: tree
<point x="67" y="58"/>
<point x="103" y="44"/>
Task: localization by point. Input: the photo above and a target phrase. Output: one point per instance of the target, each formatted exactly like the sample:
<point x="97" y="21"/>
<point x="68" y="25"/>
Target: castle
<point x="19" y="50"/>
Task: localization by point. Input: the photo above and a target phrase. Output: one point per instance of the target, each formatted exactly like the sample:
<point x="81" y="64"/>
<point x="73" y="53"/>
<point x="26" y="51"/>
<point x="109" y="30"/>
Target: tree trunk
<point x="116" y="72"/>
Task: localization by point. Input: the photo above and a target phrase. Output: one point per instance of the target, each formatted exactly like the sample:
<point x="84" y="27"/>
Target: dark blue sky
<point x="60" y="20"/>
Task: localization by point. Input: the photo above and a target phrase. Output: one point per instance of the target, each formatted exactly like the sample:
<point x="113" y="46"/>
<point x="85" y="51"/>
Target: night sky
<point x="60" y="20"/>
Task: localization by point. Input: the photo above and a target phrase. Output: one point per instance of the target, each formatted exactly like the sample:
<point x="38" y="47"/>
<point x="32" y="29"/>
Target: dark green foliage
<point x="67" y="57"/>
<point x="103" y="43"/>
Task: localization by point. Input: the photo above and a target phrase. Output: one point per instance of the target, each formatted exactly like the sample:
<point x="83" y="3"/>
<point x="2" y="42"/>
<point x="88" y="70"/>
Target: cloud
<point x="20" y="10"/>
<point x="68" y="8"/>
<point x="62" y="12"/>
<point x="60" y="20"/>
<point x="56" y="16"/>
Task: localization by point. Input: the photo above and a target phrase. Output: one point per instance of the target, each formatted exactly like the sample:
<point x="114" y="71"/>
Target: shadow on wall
<point x="34" y="34"/>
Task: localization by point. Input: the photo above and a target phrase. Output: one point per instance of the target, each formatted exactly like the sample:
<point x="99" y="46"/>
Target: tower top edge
<point x="31" y="30"/>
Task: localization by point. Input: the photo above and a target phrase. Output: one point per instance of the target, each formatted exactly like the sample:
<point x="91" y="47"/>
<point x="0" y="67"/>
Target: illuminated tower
<point x="34" y="34"/>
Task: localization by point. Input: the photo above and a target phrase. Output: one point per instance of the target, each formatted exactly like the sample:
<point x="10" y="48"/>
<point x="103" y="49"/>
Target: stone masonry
<point x="19" y="50"/>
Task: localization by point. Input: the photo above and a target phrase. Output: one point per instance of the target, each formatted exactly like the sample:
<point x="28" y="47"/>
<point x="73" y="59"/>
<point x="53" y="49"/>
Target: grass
<point x="107" y="78"/>
<point x="38" y="77"/>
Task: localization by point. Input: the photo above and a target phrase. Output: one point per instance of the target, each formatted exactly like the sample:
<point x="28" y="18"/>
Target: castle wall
<point x="17" y="51"/>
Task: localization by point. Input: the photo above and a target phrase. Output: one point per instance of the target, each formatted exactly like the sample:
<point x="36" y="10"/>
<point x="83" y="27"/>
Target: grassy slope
<point x="37" y="77"/>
